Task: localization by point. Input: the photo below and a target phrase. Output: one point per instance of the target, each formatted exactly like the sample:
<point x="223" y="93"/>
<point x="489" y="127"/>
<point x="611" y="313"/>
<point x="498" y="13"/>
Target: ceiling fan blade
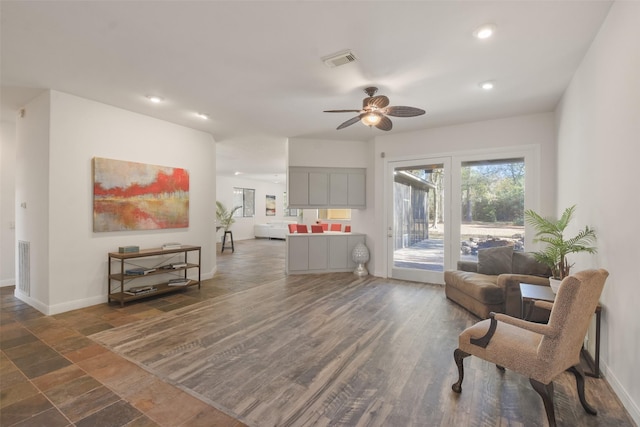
<point x="384" y="123"/>
<point x="379" y="101"/>
<point x="341" y="111"/>
<point x="400" y="111"/>
<point x="349" y="122"/>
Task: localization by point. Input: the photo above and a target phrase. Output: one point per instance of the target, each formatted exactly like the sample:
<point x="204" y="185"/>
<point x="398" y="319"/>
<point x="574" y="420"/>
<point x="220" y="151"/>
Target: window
<point x="286" y="210"/>
<point x="246" y="198"/>
<point x="343" y="214"/>
<point x="492" y="205"/>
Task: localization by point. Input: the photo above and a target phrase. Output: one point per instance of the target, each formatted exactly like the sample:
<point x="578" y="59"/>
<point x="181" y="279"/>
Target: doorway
<point x="419" y="221"/>
<point x="443" y="209"/>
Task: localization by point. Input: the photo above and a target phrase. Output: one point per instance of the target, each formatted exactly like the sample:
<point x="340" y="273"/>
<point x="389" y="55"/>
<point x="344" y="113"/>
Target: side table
<point x="531" y="293"/>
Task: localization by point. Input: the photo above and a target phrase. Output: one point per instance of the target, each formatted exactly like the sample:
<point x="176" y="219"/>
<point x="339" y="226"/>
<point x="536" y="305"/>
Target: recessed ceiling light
<point x="237" y="173"/>
<point x="484" y="31"/>
<point x="488" y="85"/>
<point x="155" y="99"/>
<point x="203" y="116"/>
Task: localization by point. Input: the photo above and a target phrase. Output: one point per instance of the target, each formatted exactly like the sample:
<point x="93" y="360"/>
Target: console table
<point x="161" y="271"/>
<point x="531" y="293"/>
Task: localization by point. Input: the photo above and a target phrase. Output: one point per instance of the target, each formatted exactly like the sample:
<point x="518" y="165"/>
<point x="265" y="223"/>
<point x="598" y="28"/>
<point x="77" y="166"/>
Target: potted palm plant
<point x="551" y="232"/>
<point x="224" y="216"/>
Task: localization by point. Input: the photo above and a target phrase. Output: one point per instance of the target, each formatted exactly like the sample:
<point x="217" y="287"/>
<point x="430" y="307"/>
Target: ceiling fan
<point x="375" y="110"/>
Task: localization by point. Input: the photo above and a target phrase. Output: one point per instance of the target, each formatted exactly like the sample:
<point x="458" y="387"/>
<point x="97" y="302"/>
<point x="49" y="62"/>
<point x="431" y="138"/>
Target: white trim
<point x="621" y="392"/>
<point x="7" y="282"/>
<point x="51" y="310"/>
<point x="531" y="155"/>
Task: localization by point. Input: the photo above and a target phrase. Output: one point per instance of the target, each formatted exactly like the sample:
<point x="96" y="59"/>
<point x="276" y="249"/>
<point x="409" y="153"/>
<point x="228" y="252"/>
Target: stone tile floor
<point x="52" y="375"/>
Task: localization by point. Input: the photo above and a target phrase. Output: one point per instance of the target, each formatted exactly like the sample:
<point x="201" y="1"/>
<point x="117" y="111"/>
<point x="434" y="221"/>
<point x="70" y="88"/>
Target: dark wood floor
<point x="276" y="350"/>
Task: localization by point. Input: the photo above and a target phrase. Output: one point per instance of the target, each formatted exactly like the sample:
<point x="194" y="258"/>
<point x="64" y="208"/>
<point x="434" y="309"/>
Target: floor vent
<point x="24" y="267"/>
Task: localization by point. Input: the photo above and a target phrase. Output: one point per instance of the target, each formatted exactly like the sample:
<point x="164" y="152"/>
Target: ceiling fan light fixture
<point x="371" y="119"/>
<point x="484" y="31"/>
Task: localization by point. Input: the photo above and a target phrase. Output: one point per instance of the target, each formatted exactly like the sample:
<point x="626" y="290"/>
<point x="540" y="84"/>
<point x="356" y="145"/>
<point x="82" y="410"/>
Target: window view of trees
<point x="492" y="204"/>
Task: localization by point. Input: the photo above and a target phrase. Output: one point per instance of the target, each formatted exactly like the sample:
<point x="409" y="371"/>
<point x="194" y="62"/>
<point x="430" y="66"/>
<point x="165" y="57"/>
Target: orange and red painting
<point x="137" y="196"/>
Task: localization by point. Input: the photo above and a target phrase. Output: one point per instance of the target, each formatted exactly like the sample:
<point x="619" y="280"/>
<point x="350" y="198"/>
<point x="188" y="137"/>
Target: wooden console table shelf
<point x="118" y="278"/>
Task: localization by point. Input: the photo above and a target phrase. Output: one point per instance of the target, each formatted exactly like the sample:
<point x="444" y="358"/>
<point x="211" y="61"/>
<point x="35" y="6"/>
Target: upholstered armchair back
<point x="572" y="310"/>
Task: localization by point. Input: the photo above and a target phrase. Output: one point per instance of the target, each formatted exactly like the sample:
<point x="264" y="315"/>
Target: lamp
<point x="371" y="118"/>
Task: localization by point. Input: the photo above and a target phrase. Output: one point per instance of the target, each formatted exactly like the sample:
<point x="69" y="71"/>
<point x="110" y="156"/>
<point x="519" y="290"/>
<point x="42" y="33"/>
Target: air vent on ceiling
<point x="339" y="58"/>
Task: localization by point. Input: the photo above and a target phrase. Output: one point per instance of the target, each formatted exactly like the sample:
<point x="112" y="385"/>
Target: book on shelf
<point x="173" y="266"/>
<point x="179" y="282"/>
<point x="139" y="271"/>
<point x="171" y="245"/>
<point x="140" y="290"/>
<point x="128" y="249"/>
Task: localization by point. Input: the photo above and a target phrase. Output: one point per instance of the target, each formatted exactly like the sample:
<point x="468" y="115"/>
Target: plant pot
<point x="555" y="284"/>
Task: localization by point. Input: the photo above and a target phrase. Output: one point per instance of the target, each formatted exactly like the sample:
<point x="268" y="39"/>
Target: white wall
<point x="243" y="227"/>
<point x="327" y="153"/>
<point x="7" y="202"/>
<point x="57" y="140"/>
<point x="598" y="125"/>
<point x="527" y="131"/>
<point x="32" y="195"/>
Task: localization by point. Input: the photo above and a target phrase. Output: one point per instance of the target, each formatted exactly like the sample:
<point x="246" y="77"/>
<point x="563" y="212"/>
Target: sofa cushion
<point x="525" y="263"/>
<point x="495" y="261"/>
<point x="480" y="287"/>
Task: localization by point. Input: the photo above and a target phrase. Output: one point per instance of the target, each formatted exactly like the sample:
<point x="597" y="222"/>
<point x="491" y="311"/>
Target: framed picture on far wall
<point x="271" y="205"/>
<point x="138" y="196"/>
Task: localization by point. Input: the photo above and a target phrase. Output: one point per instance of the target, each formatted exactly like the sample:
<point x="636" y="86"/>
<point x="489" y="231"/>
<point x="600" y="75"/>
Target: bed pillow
<point x="495" y="261"/>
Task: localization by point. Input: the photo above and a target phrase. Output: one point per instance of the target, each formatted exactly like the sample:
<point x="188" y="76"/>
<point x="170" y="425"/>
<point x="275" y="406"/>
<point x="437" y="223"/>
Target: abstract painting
<point x="138" y="196"/>
<point x="271" y="205"/>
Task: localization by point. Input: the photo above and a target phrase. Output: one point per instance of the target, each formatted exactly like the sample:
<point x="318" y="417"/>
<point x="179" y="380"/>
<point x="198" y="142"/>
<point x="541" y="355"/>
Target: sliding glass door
<point x="443" y="209"/>
<point x="417" y="230"/>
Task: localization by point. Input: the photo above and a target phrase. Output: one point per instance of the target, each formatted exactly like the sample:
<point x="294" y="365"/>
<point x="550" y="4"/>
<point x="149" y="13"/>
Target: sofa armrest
<point x="510" y="283"/>
<point x="471" y="266"/>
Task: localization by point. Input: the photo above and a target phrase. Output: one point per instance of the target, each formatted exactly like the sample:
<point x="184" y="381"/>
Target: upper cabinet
<point x="315" y="188"/>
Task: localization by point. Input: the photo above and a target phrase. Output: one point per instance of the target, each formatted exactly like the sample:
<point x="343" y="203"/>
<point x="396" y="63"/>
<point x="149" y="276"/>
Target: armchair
<point x="539" y="351"/>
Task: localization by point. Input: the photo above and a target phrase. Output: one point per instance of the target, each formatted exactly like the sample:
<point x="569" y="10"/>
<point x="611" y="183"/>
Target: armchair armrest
<point x="539" y="328"/>
<point x="543" y="304"/>
<point x="510" y="284"/>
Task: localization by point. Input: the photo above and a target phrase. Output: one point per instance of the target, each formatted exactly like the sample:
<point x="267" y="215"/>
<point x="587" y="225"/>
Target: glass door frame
<point x="452" y="202"/>
<point x="411" y="274"/>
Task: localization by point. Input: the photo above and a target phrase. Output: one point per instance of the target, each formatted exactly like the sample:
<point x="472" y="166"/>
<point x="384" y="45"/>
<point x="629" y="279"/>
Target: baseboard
<point x="631" y="406"/>
<point x="42" y="308"/>
<point x="50" y="310"/>
<point x="209" y="275"/>
<point x="7" y="282"/>
<point x="76" y="304"/>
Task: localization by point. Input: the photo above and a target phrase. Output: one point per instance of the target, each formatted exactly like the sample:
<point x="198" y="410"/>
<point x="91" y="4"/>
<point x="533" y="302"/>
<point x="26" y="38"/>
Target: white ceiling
<point x="255" y="66"/>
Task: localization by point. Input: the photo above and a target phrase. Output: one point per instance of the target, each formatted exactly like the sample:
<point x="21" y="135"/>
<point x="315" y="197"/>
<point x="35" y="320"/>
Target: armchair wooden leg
<point x="579" y="374"/>
<point x="458" y="356"/>
<point x="546" y="392"/>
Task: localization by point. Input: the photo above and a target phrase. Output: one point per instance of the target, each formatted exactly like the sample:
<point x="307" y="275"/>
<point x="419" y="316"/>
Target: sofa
<point x="272" y="230"/>
<point x="493" y="282"/>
